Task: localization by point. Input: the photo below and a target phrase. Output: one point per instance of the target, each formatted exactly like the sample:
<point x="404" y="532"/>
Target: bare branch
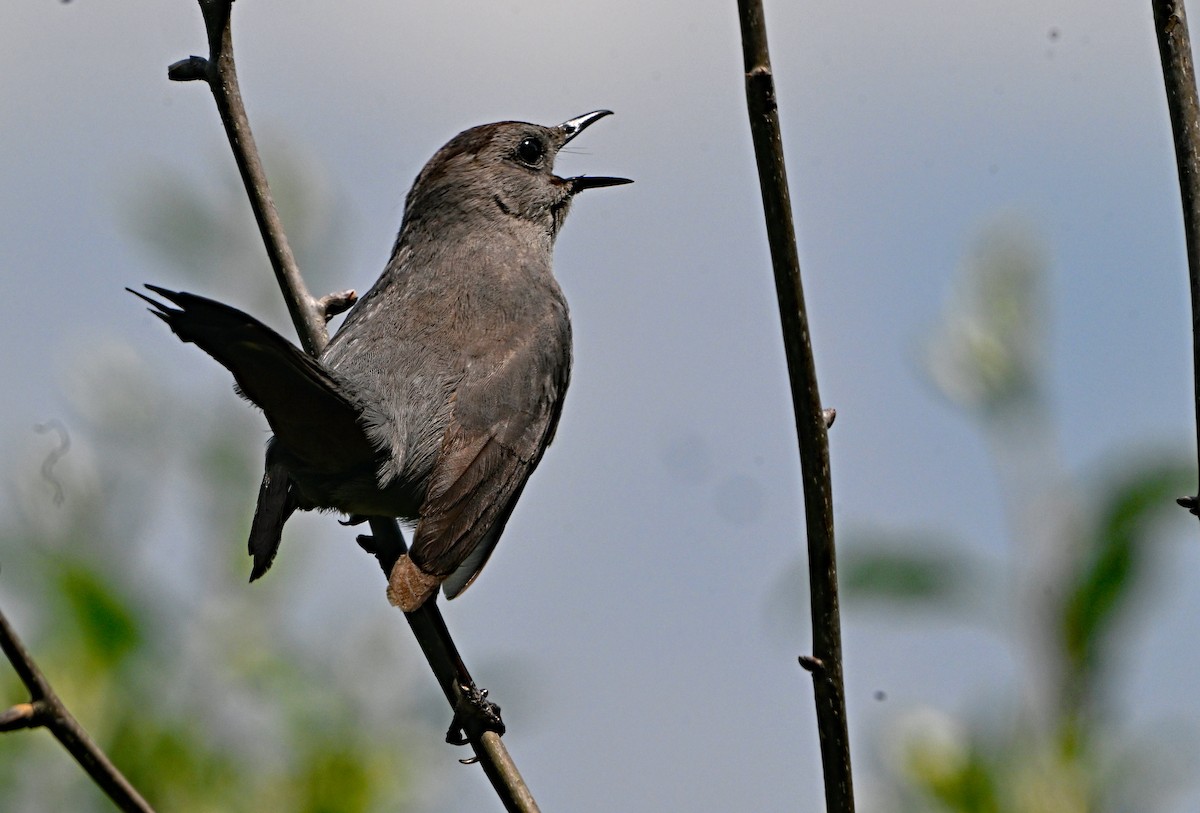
<point x="1179" y="78"/>
<point x="331" y="305"/>
<point x="475" y="718"/>
<point x="220" y="73"/>
<point x="811" y="419"/>
<point x="45" y="709"/>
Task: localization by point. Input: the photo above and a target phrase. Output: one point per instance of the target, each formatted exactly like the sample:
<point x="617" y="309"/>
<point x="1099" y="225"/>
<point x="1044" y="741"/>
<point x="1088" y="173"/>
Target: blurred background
<point x="991" y="240"/>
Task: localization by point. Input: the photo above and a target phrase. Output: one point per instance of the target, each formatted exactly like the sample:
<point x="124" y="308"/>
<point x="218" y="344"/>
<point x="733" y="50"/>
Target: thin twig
<point x="1179" y="78"/>
<point x="45" y="709"/>
<point x="478" y="723"/>
<point x="308" y="314"/>
<point x="811" y="418"/>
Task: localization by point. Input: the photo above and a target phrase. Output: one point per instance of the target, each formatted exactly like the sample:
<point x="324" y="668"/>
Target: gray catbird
<point x="439" y="394"/>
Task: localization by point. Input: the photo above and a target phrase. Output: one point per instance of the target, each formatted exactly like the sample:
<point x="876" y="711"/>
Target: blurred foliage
<point x="122" y="542"/>
<point x="1081" y="550"/>
<point x="1109" y="574"/>
<point x="913" y="571"/>
<point x="988" y="353"/>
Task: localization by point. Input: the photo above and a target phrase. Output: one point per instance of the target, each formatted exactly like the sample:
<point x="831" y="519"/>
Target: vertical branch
<point x="811" y="420"/>
<point x="1179" y="79"/>
<point x="47" y="710"/>
<point x="476" y="721"/>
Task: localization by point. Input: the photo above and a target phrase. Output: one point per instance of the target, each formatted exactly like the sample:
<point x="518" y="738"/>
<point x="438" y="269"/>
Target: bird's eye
<point x="531" y="151"/>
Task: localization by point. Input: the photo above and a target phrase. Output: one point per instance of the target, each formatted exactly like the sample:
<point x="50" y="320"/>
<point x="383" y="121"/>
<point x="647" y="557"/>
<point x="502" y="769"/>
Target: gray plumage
<point x="438" y="395"/>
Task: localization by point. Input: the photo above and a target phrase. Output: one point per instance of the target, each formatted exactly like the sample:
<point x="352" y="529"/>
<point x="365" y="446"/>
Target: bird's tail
<point x="313" y="414"/>
<point x="289" y="385"/>
<point x="276" y="502"/>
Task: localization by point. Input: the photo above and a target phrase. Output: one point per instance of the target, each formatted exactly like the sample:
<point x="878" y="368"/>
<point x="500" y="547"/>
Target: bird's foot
<point x="386" y="543"/>
<point x="474" y="711"/>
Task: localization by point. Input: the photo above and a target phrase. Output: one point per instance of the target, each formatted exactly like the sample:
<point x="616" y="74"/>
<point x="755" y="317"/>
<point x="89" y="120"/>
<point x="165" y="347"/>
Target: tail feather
<point x="313" y="413"/>
<point x="276" y="502"/>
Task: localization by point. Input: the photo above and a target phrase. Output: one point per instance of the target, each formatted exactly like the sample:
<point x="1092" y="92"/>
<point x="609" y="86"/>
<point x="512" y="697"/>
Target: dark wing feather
<point x="505" y="412"/>
<point x="466" y="515"/>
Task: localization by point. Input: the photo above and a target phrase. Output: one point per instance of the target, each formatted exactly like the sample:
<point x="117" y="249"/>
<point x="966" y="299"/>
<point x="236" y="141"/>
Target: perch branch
<point x="812" y="420"/>
<point x="45" y="709"/>
<point x="1179" y="79"/>
<point x="475" y="720"/>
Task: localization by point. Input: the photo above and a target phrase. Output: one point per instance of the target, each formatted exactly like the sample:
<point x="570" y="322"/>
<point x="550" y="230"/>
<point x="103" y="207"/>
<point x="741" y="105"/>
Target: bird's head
<point x="501" y="172"/>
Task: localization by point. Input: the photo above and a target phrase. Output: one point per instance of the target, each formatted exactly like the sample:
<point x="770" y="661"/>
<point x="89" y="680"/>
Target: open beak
<point x="574" y="127"/>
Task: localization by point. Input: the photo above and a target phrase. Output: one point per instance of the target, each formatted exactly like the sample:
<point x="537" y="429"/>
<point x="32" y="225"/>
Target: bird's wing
<point x="505" y="412"/>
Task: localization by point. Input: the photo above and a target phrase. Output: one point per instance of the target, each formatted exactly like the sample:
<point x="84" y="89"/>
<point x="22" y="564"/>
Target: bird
<point x="437" y="397"/>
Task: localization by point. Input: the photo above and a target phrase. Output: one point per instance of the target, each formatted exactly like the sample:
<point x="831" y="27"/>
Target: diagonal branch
<point x="476" y="721"/>
<point x="220" y="74"/>
<point x="825" y="664"/>
<point x="45" y="709"/>
<point x="1179" y="79"/>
